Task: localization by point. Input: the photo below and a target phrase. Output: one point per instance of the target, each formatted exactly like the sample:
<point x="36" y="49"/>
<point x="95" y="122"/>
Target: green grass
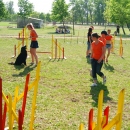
<point x="65" y="96"/>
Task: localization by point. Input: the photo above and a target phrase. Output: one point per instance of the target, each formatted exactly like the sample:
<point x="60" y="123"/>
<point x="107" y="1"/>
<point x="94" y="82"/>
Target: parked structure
<point x="22" y="22"/>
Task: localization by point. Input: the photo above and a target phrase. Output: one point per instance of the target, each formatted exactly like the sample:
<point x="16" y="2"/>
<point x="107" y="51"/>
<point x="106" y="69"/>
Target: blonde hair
<point x="30" y="25"/>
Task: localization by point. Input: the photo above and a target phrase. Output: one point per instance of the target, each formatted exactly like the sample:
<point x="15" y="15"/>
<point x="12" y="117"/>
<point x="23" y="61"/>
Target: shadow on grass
<point x="26" y="70"/>
<point x="53" y="60"/>
<point x="108" y="67"/>
<point x="95" y="92"/>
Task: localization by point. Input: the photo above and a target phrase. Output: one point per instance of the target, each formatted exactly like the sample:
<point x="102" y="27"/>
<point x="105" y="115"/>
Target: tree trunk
<point x="63" y="23"/>
<point x="123" y="29"/>
<point x="91" y="16"/>
<point x="87" y="18"/>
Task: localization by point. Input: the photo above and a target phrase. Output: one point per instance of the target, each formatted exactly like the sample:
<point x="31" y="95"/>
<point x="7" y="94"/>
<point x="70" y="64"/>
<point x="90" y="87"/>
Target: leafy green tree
<point x="118" y="11"/>
<point x="35" y="14"/>
<point x="48" y="17"/>
<point x="10" y="10"/>
<point x="59" y="11"/>
<point x="99" y="6"/>
<point x="25" y="8"/>
<point x="2" y="10"/>
<point x="42" y="16"/>
<point x="90" y="10"/>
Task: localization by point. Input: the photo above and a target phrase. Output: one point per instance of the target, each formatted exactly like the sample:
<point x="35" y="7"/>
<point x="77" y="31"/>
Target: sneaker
<point x="104" y="79"/>
<point x="94" y="85"/>
<point x="31" y="63"/>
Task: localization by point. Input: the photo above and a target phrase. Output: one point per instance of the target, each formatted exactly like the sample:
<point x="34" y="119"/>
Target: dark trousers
<point x="96" y="68"/>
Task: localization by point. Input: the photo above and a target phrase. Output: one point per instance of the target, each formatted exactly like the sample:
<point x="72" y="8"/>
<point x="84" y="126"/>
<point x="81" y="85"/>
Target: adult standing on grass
<point x="118" y="29"/>
<point x="108" y="43"/>
<point x="89" y="42"/>
<point x="97" y="54"/>
<point x="34" y="43"/>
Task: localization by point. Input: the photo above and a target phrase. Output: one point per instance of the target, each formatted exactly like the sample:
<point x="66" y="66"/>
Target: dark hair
<point x="104" y="32"/>
<point x="89" y="30"/>
<point x="95" y="35"/>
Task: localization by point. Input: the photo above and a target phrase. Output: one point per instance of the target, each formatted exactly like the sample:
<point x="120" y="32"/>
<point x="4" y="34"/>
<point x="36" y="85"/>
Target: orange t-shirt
<point x="103" y="40"/>
<point x="33" y="35"/>
<point x="97" y="49"/>
<point x="108" y="37"/>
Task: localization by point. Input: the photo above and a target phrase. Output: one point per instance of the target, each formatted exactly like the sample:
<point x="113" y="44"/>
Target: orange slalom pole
<point x="25" y="96"/>
<point x="14" y="50"/>
<point x="90" y="121"/>
<point x="19" y="36"/>
<point x="59" y="51"/>
<point x="56" y="49"/>
<point x="4" y="115"/>
<point x="20" y="120"/>
<point x="63" y="52"/>
<point x="106" y="113"/>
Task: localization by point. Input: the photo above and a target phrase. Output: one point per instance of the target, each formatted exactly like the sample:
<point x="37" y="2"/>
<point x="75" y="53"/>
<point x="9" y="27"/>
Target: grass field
<point x="65" y="96"/>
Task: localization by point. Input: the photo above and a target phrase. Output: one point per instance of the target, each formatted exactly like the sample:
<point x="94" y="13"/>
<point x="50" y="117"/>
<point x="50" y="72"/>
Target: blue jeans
<point x="96" y="68"/>
<point x="88" y="46"/>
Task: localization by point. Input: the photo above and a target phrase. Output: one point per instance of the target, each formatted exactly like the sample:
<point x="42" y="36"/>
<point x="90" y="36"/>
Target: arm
<point x="103" y="54"/>
<point x="89" y="38"/>
<point x="91" y="51"/>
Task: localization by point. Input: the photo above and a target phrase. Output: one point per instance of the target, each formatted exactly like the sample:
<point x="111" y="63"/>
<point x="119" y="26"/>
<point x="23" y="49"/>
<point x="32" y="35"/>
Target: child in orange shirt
<point x="103" y="39"/>
<point x="97" y="54"/>
<point x="34" y="43"/>
<point x="108" y="43"/>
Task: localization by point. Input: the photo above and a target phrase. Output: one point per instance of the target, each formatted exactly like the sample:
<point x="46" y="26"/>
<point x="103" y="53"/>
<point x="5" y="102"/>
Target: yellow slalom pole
<point x="59" y="51"/>
<point x="52" y="47"/>
<point x="120" y="108"/>
<point x="7" y="102"/>
<point x="100" y="103"/>
<point x="26" y="37"/>
<point x="34" y="105"/>
<point x="35" y="96"/>
<point x="10" y="112"/>
<point x="14" y="104"/>
<point x="19" y="47"/>
<point x="112" y="123"/>
<point x="81" y="127"/>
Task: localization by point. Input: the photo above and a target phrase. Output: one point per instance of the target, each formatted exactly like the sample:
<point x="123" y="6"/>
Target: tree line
<point x="100" y="12"/>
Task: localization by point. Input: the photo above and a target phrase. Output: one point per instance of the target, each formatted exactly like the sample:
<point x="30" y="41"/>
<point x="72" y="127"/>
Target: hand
<point x="99" y="60"/>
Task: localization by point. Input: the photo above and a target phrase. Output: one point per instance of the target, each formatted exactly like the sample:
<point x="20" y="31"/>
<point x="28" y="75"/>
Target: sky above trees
<point x="39" y="5"/>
